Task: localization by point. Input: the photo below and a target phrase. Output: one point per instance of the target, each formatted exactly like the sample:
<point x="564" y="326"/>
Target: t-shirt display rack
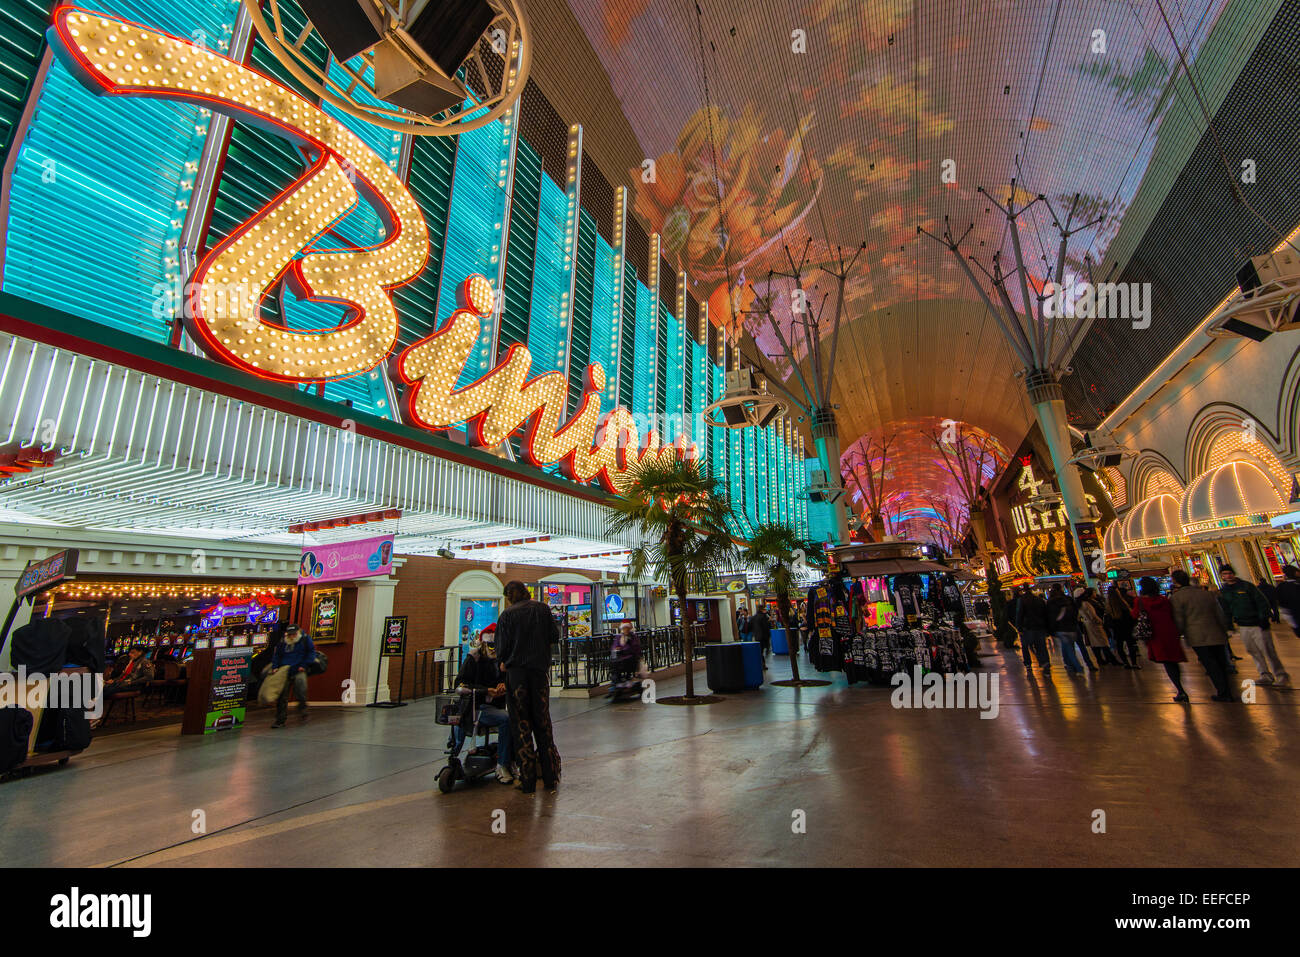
<point x="841" y="639"/>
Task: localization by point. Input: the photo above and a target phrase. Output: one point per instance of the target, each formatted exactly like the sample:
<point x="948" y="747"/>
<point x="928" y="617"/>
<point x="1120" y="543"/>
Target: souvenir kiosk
<point x="872" y="616"/>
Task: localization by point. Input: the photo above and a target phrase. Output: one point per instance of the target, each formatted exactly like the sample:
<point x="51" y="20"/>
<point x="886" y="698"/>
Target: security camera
<point x="445" y="553"/>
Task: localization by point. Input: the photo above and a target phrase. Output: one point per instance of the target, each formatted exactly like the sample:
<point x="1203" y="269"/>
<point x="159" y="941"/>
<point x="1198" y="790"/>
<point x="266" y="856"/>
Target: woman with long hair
<point x="1093" y="628"/>
<point x="1119" y="615"/>
<point x="1163" y="645"/>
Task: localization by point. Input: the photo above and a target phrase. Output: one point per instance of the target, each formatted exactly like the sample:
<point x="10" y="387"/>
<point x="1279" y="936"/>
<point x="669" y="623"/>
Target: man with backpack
<point x="1248" y="609"/>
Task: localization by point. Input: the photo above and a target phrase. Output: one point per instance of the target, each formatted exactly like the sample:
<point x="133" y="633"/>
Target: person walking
<point x="526" y="631"/>
<point x="1063" y="622"/>
<point x="1288" y="597"/>
<point x="1202" y="621"/>
<point x="1093" y="626"/>
<point x="760" y="630"/>
<point x="294" y="652"/>
<point x="1032" y="623"/>
<point x="1247" y="608"/>
<point x="1163" y="645"/>
<point x="1119" y="609"/>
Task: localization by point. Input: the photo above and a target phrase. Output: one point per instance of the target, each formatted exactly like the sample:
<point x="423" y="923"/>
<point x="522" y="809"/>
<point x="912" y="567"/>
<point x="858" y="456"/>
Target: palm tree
<point x="680" y="515"/>
<point x="777" y="549"/>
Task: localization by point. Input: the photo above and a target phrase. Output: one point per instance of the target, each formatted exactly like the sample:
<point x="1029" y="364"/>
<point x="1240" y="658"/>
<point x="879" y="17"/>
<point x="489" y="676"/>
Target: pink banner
<point x="340" y="561"/>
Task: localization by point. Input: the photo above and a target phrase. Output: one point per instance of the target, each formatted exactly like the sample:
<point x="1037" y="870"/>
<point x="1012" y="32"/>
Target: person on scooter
<point x="625" y="656"/>
<point x="483" y="697"/>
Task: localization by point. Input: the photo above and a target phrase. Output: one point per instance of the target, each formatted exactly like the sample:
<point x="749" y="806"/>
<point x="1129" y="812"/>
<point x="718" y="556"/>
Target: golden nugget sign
<point x="117" y="58"/>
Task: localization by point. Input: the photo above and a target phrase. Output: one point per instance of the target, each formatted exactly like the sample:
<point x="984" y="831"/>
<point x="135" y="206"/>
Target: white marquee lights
<point x="588" y="446"/>
<point x="115" y="57"/>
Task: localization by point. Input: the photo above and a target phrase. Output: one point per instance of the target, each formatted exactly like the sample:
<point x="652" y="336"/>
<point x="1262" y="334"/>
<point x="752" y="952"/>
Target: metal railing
<point x="584" y="662"/>
<point x="575" y="662"/>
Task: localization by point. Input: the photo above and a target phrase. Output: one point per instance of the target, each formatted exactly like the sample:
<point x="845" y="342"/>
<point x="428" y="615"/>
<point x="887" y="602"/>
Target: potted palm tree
<point x="777" y="550"/>
<point x="679" y="514"/>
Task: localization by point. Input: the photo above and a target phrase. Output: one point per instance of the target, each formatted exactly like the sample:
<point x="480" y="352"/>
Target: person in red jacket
<point x="1164" y="645"/>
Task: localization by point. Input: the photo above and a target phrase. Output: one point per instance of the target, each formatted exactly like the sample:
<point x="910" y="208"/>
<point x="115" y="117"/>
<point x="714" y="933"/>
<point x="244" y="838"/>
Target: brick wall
<point x="421" y="595"/>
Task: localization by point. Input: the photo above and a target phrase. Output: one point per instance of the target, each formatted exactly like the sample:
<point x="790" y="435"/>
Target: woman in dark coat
<point x="1119" y="616"/>
<point x="1164" y="645"/>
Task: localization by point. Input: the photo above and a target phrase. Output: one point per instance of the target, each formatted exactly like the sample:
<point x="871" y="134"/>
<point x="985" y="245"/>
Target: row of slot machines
<point x="181" y="647"/>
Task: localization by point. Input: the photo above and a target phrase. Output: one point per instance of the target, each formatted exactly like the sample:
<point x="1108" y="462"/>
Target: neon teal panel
<point x="547" y="337"/>
<point x="584" y="290"/>
<point x="95" y="231"/>
<point x="475" y="225"/>
<point x="643" y="391"/>
<point x="604" y="316"/>
<point x="673" y="376"/>
<point x="429" y="179"/>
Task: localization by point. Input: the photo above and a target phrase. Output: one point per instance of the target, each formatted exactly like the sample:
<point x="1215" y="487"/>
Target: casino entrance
<point x="166" y="620"/>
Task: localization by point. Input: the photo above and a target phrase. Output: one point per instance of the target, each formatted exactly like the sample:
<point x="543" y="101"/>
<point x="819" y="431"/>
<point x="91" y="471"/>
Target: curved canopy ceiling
<point x="755" y="127"/>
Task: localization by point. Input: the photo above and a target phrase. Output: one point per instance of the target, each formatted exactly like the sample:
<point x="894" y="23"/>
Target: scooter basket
<point x="446" y="709"/>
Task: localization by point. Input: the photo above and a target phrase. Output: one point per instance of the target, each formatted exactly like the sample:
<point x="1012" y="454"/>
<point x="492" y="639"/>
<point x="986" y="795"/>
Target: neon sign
<point x="278" y="244"/>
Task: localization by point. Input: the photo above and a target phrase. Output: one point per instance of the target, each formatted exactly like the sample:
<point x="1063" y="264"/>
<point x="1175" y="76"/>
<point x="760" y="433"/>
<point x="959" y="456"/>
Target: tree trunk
<point x="791" y="634"/>
<point x="688" y="640"/>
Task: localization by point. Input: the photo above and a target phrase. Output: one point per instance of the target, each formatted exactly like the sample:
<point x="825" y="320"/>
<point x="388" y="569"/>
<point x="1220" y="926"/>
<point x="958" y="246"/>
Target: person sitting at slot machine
<point x="483" y="700"/>
<point x="295" y="652"/>
<point x="129" y="673"/>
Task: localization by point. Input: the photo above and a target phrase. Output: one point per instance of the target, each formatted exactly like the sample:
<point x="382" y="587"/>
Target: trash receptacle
<point x="725" y="666"/>
<point x="780" y="646"/>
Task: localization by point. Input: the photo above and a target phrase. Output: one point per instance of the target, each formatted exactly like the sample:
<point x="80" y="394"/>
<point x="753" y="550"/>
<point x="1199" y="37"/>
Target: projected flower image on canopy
<point x="831" y="122"/>
<point x="923" y="499"/>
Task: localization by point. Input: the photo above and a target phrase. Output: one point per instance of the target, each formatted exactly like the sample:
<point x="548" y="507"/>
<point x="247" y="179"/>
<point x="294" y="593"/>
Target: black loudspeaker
<point x="344" y="25"/>
<point x="447" y="31"/>
<point x="733" y="414"/>
<point x="1248" y="277"/>
<point x="769" y="416"/>
<point x="1108" y="461"/>
<point x="1246" y="330"/>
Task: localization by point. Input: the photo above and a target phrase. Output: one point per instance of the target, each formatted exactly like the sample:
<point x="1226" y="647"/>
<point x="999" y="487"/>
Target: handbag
<point x="318" y="664"/>
<point x="273" y="685"/>
<point x="1142" y="627"/>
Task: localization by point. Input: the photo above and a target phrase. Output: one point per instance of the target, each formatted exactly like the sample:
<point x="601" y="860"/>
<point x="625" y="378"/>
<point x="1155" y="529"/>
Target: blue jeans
<point x="1067" y="640"/>
<point x="491" y="717"/>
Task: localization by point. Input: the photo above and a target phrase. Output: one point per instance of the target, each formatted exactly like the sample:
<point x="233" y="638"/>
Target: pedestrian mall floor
<point x="648" y="785"/>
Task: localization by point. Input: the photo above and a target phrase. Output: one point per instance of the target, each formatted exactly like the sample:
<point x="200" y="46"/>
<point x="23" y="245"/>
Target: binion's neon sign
<point x="116" y="58"/>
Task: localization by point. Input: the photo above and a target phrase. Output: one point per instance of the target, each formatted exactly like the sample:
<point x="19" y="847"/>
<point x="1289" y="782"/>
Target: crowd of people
<point x="1088" y="627"/>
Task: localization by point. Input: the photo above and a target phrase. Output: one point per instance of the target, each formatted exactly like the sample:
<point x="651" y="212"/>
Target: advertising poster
<point x="343" y="561"/>
<point x="394" y="637"/>
<point x="475" y="615"/>
<point x="230" y="670"/>
<point x="325" y="605"/>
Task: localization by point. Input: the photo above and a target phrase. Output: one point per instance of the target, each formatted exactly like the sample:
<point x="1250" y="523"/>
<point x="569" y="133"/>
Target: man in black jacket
<point x="525" y="633"/>
<point x="1032" y="623"/>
